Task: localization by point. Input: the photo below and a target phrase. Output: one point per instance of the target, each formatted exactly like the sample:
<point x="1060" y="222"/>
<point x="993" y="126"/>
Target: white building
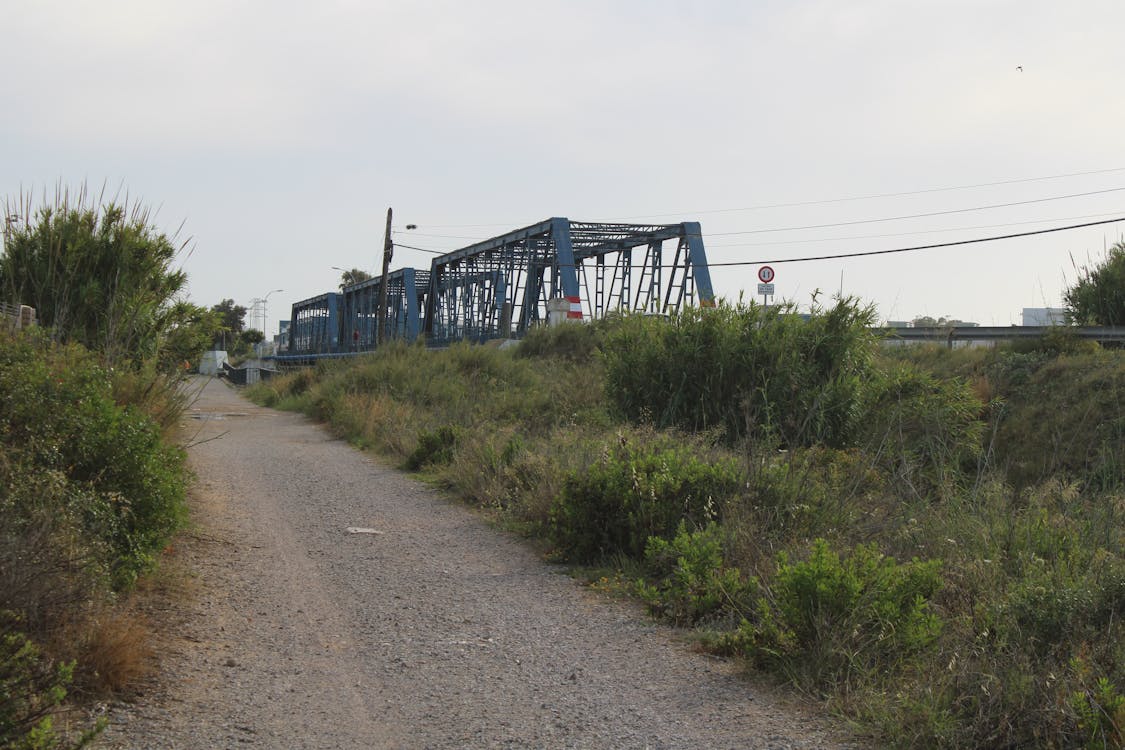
<point x="1044" y="316"/>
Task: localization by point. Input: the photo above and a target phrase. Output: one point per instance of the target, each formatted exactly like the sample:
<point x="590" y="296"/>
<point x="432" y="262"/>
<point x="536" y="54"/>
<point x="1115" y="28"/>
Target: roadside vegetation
<point x="92" y="483"/>
<point x="931" y="541"/>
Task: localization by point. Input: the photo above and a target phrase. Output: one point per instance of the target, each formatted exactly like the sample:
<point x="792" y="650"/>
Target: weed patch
<point x="636" y="492"/>
<point x="688" y="582"/>
<point x="931" y="539"/>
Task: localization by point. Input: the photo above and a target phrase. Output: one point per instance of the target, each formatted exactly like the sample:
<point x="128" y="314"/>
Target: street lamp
<point x="265" y="308"/>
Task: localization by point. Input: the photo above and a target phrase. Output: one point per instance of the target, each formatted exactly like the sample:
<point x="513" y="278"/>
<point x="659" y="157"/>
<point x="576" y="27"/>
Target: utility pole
<point x="388" y="251"/>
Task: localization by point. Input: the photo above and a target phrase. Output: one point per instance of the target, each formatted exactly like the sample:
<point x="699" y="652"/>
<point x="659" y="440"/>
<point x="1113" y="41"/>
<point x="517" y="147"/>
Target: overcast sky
<point x="277" y="133"/>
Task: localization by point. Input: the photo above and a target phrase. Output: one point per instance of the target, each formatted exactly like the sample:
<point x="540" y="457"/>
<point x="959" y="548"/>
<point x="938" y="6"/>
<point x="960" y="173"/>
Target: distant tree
<point x="252" y="336"/>
<point x="189" y="330"/>
<point x="97" y="274"/>
<point x="242" y="345"/>
<point x="1098" y="298"/>
<point x="354" y="276"/>
<point x="233" y="316"/>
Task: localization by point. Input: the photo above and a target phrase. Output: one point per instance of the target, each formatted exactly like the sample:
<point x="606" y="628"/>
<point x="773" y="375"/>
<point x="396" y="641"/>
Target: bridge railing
<point x="948" y="335"/>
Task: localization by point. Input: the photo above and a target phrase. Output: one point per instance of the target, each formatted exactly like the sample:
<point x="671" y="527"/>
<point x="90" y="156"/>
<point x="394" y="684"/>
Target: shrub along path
<point x="436" y="631"/>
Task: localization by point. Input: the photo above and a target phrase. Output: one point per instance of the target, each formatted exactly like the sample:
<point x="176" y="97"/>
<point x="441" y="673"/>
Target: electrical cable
<point x="826" y="201"/>
<point x="916" y="247"/>
<point x="875" y="196"/>
<point x="918" y="216"/>
<point x="857" y="222"/>
<point x="440" y="236"/>
<point x="907" y="234"/>
<point x="422" y="249"/>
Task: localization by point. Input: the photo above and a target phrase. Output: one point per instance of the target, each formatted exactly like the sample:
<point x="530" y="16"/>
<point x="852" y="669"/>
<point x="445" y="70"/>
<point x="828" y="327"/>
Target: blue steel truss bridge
<point x="501" y="287"/>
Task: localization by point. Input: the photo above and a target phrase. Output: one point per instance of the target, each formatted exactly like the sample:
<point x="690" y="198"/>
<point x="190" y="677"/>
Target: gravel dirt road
<point x="438" y="631"/>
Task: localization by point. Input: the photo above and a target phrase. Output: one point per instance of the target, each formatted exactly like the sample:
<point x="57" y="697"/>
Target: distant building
<point x="1044" y="316"/>
<point x="281" y="340"/>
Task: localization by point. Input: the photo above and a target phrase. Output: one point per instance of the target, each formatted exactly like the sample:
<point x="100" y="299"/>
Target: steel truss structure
<point x="314" y="326"/>
<point x="501" y="287"/>
<point x="406" y="295"/>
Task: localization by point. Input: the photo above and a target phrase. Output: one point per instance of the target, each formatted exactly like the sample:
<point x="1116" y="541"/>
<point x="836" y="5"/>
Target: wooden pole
<point x="388" y="251"/>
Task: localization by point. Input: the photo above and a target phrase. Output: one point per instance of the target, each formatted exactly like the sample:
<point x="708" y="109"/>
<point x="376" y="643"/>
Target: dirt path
<point x="436" y="632"/>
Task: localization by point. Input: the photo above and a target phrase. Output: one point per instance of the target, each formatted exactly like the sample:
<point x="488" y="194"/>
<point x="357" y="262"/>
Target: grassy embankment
<point x="932" y="541"/>
<point x="91" y="490"/>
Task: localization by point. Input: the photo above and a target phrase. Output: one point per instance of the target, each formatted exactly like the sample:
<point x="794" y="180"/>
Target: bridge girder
<point x="500" y="287"/>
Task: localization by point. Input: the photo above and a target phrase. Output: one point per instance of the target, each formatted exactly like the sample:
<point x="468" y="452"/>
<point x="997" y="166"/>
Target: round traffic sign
<point x="765" y="274"/>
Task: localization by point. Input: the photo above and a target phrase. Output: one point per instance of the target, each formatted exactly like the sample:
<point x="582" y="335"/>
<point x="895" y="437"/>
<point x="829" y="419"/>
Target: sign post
<point x="765" y="288"/>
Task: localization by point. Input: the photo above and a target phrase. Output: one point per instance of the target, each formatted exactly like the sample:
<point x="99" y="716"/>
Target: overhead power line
<point x="918" y="247"/>
<point x="876" y="196"/>
<point x="857" y="222"/>
<point x="422" y="249"/>
<point x="823" y="201"/>
<point x="919" y="216"/>
<point x="887" y="235"/>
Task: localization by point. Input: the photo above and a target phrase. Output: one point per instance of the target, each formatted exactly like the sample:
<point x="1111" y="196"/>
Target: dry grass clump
<point x="116" y="651"/>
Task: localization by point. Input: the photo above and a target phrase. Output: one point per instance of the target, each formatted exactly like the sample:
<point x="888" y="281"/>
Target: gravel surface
<point x="437" y="631"/>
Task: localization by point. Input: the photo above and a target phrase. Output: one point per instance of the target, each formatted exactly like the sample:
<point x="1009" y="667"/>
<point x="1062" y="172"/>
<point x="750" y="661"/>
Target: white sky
<point x="279" y="132"/>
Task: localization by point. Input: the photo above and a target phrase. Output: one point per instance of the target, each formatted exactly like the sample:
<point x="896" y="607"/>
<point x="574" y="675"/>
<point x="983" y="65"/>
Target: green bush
<point x="806" y="492"/>
<point x="687" y="581"/>
<point x="1066" y="420"/>
<point x="31" y="689"/>
<point x="101" y="275"/>
<point x="827" y="619"/>
<point x="577" y="342"/>
<point x="766" y="372"/>
<point x="59" y="416"/>
<point x="637" y="492"/>
<point x="434" y="448"/>
<point x="924" y="431"/>
<point x="1101" y="714"/>
<point x="1098" y="297"/>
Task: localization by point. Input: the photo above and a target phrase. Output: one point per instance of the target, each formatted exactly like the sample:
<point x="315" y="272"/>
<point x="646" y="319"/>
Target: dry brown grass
<point x="117" y="651"/>
<point x="116" y="645"/>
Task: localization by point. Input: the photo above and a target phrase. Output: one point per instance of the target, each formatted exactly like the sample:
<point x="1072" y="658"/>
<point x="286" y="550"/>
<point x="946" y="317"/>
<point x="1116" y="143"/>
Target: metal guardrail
<point x="937" y="335"/>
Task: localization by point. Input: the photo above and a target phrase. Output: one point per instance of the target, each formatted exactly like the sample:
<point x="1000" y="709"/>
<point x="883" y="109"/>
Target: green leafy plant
<point x="32" y="689"/>
<point x="634" y="493"/>
<point x="1101" y="714"/>
<point x="808" y="492"/>
<point x="1098" y="298"/>
<point x="434" y="448"/>
<point x="60" y="416"/>
<point x="1067" y="420"/>
<point x="97" y="273"/>
<point x="925" y="431"/>
<point x="687" y="581"/>
<point x="749" y="370"/>
<point x="829" y="616"/>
